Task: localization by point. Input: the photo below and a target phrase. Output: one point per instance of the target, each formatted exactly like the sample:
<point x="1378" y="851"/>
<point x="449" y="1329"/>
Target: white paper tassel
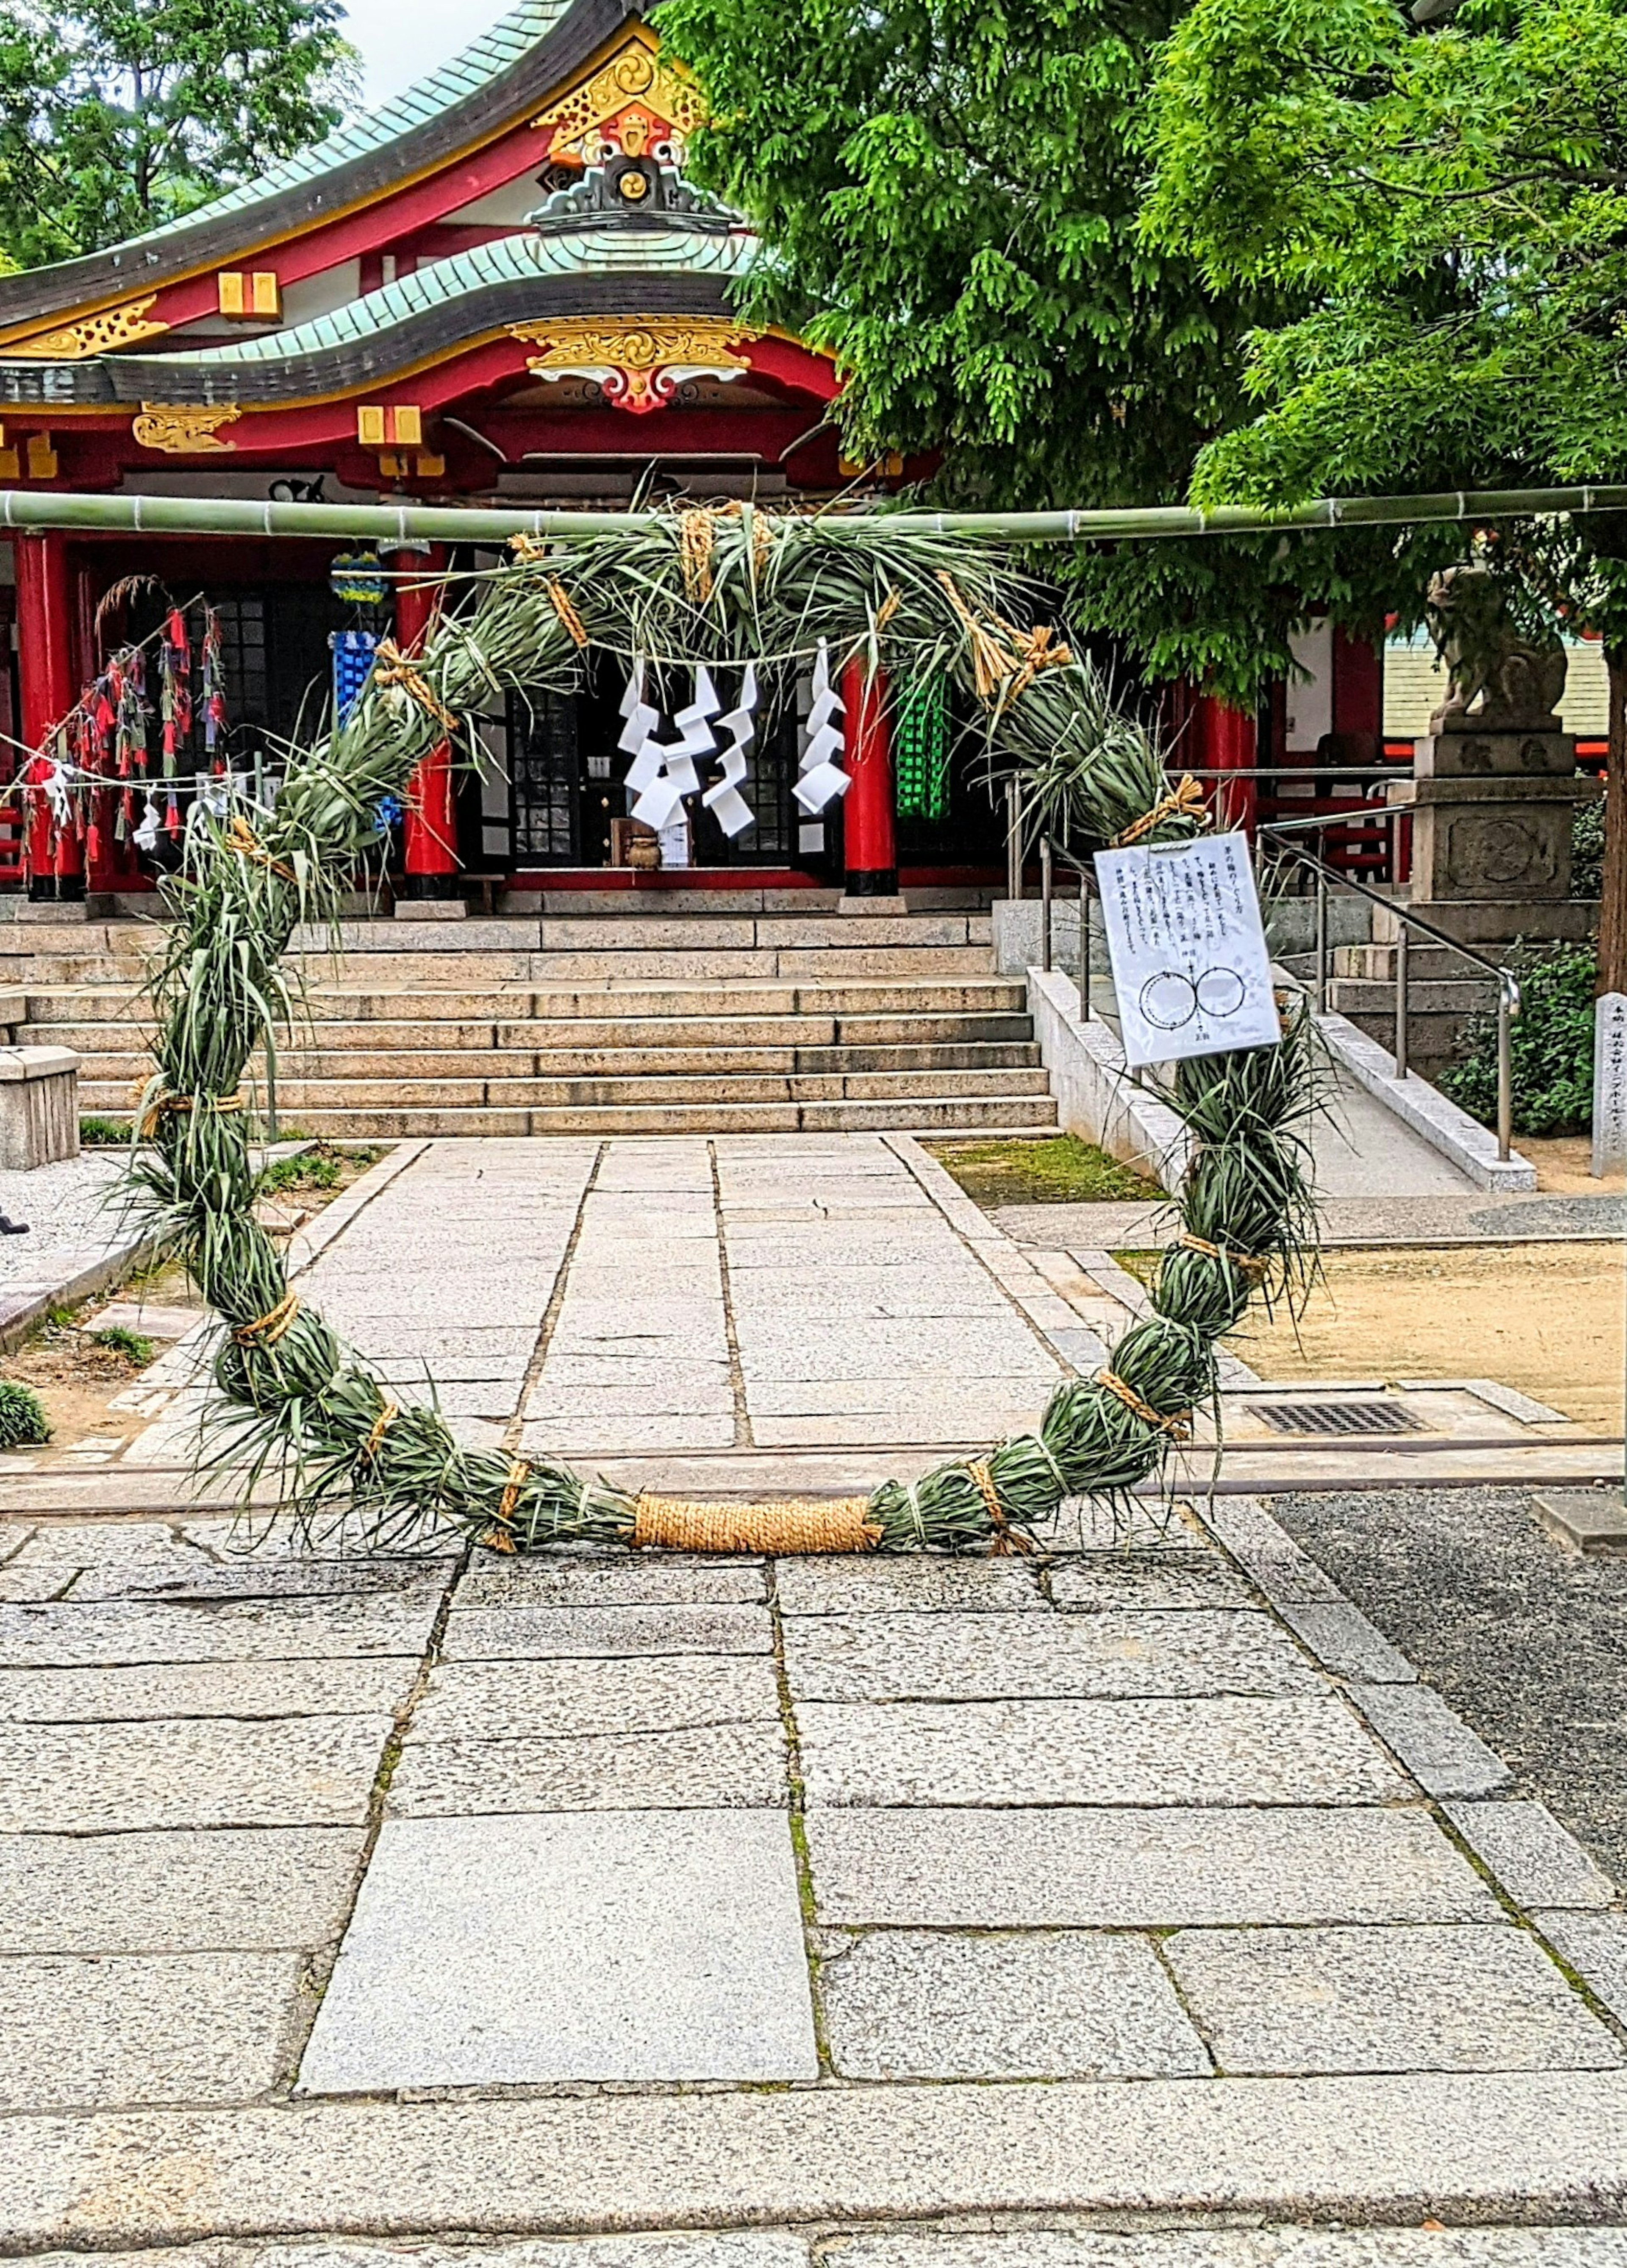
<point x="821" y="778"/>
<point x="146" y="835"/>
<point x="723" y="798"/>
<point x="663" y="771"/>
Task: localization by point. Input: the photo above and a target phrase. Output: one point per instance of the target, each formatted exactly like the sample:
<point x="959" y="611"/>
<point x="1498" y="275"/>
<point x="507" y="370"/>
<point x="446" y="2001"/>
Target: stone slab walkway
<point x="654" y="1912"/>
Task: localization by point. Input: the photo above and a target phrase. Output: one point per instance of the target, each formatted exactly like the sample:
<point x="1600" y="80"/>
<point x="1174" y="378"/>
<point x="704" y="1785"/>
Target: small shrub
<point x="1588" y="850"/>
<point x="99" y="1133"/>
<point x="1550" y="1044"/>
<point x="23" y="1421"/>
<point x="312" y="1170"/>
<point x="132" y="1344"/>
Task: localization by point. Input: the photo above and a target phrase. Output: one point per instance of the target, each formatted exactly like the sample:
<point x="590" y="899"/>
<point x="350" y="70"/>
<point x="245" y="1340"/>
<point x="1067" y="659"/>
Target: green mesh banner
<point x="921" y="751"/>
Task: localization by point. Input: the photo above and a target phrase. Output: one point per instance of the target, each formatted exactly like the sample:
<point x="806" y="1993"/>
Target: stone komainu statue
<point x="1517" y="677"/>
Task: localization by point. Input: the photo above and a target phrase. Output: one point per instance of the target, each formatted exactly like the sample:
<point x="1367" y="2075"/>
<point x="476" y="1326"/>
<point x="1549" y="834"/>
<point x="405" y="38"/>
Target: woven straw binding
<point x="1250" y="1265"/>
<point x="1175" y="1427"/>
<point x="1007" y="1538"/>
<point x="566" y="612"/>
<point x="1184" y="801"/>
<point x="267" y="1329"/>
<point x="785" y="1526"/>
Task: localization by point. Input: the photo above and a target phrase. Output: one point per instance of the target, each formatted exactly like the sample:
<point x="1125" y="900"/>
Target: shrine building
<point x="501" y="289"/>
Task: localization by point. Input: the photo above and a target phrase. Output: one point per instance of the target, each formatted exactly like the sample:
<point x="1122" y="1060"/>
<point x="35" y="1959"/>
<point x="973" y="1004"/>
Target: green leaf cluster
<point x="117" y="116"/>
<point x="950" y="195"/>
<point x="1550" y="1047"/>
<point x="1449" y="201"/>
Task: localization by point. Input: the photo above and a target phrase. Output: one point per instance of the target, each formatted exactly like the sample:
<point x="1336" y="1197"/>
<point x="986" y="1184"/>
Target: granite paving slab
<point x="1456" y="1999"/>
<point x="914" y="2004"/>
<point x="1128" y="1869"/>
<point x="204" y="1689"/>
<point x="707" y="1766"/>
<point x="1235" y="1750"/>
<point x="493" y="1633"/>
<point x="956" y="1657"/>
<point x="560" y="1699"/>
<point x="710" y="2248"/>
<point x="1218" y="2246"/>
<point x="201" y="1772"/>
<point x="1170" y="1581"/>
<point x="654" y="1946"/>
<point x="649" y="1579"/>
<point x="244" y="1889"/>
<point x="924" y="1585"/>
<point x="92" y="2033"/>
<point x="1488" y="2147"/>
<point x="83" y="1636"/>
<point x="1538" y="1862"/>
<point x="1596" y="1946"/>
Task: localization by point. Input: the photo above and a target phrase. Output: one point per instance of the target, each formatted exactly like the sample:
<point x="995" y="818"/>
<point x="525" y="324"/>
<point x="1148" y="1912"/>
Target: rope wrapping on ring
<point x="391" y="668"/>
<point x="241" y="838"/>
<point x="267" y="1329"/>
<point x="1185" y="800"/>
<point x="1252" y="1266"/>
<point x="178" y="1105"/>
<point x="1177" y="1428"/>
<point x="1007" y="1538"/>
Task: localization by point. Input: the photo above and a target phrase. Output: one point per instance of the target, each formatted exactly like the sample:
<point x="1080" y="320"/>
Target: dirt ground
<point x="80" y="1383"/>
<point x="1545" y="1318"/>
<point x="1564" y="1165"/>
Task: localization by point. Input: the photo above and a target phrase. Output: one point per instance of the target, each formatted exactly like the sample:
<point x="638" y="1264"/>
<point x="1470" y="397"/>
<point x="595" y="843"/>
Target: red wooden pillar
<point x="1228" y="739"/>
<point x="431" y="827"/>
<point x="45" y="678"/>
<point x="869" y="823"/>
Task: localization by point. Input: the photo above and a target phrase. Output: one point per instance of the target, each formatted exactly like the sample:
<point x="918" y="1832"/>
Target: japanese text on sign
<point x="1188" y="948"/>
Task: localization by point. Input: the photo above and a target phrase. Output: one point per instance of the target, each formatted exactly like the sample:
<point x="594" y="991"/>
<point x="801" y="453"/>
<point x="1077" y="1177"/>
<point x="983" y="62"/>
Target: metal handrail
<point x="1507" y="984"/>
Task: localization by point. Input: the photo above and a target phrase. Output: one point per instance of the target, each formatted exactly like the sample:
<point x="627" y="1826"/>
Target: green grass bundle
<point x="297" y="1406"/>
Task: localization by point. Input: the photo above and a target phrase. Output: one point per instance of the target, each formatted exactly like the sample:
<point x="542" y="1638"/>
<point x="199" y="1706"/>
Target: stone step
<point x="1431" y="962"/>
<point x="662" y="1063"/>
<point x="724" y="931"/>
<point x="868" y="998"/>
<point x="296" y="1096"/>
<point x="1355" y="996"/>
<point x="922" y="1114"/>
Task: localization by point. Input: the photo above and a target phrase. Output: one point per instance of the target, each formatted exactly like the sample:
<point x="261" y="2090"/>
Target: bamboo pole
<point x="386" y="523"/>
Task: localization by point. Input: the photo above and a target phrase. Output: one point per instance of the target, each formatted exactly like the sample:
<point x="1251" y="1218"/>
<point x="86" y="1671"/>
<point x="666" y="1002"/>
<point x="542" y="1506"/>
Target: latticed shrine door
<point x="545" y="781"/>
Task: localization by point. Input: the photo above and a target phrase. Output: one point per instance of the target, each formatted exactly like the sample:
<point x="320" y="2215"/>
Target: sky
<point x="400" y="41"/>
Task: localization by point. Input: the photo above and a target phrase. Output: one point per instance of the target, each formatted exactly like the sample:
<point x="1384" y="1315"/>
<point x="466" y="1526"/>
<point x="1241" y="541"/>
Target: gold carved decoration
<point x="182" y="432"/>
<point x="638" y="364"/>
<point x="114" y="327"/>
<point x="631" y="102"/>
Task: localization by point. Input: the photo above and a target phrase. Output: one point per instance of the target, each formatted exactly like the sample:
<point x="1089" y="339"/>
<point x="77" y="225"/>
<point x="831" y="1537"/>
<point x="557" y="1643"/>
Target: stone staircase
<point x="612" y="1017"/>
<point x="1443" y="992"/>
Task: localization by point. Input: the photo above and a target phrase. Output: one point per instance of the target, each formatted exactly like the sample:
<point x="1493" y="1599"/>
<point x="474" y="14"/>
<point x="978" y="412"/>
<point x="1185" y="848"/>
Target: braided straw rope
<point x="267" y="1329"/>
<point x="1175" y="1427"/>
<point x="381" y="1426"/>
<point x="519" y="1473"/>
<point x="1185" y="800"/>
<point x="1007" y="1538"/>
<point x="697" y="534"/>
<point x="566" y="612"/>
<point x="783" y="1526"/>
<point x="241" y="838"/>
<point x="1250" y="1265"/>
<point x="180" y="1103"/>
<point x="391" y="667"/>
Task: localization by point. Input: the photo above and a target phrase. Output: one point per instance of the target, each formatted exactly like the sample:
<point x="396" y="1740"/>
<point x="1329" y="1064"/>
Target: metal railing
<point x="1405" y="918"/>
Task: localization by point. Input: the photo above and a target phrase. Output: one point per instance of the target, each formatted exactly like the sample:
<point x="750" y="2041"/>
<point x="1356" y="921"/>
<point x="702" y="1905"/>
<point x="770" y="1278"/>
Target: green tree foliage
<point x="1450" y="201"/>
<point x="950" y="193"/>
<point x="119" y="115"/>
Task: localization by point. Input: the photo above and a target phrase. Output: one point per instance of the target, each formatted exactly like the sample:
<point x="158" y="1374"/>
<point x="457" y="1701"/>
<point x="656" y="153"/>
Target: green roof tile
<point x="579" y="252"/>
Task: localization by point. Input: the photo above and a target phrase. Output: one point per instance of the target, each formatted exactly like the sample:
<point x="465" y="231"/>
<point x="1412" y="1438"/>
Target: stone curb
<point x="1524" y="2146"/>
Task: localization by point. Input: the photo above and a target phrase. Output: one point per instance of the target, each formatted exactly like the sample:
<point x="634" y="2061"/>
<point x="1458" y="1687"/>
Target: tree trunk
<point x="1612" y="889"/>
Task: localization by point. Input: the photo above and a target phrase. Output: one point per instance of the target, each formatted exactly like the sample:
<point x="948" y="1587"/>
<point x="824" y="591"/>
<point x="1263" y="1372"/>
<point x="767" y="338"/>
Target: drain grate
<point x="1338" y="1417"/>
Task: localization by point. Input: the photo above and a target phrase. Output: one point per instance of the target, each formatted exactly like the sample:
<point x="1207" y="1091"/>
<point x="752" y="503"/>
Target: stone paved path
<point x="812" y="1914"/>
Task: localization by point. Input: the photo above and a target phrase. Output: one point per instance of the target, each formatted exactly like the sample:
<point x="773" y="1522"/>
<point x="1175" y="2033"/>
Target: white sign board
<point x="1188" y="948"/>
<point x="1609" y="1110"/>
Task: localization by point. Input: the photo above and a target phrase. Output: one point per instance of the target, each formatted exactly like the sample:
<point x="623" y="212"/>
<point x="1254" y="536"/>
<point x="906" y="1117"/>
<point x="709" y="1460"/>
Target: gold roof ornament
<point x="93" y="334"/>
<point x="639" y="363"/>
<point x="183" y="432"/>
<point x="636" y="104"/>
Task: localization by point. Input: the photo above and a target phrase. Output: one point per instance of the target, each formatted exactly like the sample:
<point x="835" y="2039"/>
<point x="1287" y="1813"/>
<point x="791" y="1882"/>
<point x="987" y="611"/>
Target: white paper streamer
<point x="663" y="772"/>
<point x="146" y="835"/>
<point x="724" y="798"/>
<point x="821" y="778"/>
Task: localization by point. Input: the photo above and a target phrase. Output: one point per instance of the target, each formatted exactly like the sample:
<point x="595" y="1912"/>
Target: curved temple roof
<point x="518" y="62"/>
<point x="650" y="270"/>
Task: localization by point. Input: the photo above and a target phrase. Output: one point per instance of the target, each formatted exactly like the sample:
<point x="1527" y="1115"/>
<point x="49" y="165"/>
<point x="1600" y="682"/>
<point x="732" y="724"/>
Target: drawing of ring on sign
<point x="1168" y="1000"/>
